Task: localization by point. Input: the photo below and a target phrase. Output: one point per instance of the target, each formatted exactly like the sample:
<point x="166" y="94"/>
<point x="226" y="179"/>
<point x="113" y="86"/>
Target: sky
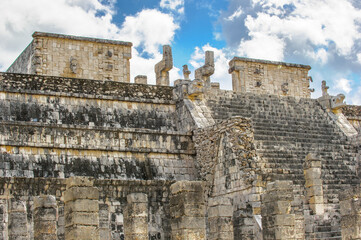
<point x="325" y="34"/>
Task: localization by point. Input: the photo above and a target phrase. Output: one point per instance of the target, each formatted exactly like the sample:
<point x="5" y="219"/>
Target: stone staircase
<point x="285" y="131"/>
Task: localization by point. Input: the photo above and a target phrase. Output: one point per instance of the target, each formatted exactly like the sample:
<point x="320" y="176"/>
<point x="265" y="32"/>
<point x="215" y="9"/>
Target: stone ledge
<point x="243" y="59"/>
<point x="77" y="38"/>
<point x="78" y="127"/>
<point x="85" y="88"/>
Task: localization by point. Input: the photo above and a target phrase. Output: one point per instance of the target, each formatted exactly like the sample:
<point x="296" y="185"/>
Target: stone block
<point x="82" y="233"/>
<point x="75" y="193"/>
<point x="137" y="198"/>
<point x="82" y="205"/>
<point x="82" y="218"/>
<point x="186" y="186"/>
<point x="79" y="181"/>
<point x="220" y="211"/>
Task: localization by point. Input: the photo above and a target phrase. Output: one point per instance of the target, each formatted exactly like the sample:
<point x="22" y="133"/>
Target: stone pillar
<point x="104" y="222"/>
<point x="162" y="68"/>
<point x="204" y="73"/>
<point x="3" y="219"/>
<point x="45" y="216"/>
<point x="187" y="207"/>
<point x="350" y="204"/>
<point x="220" y="216"/>
<point x="141" y="79"/>
<point x="314" y="189"/>
<point x="18" y="224"/>
<point x="278" y="221"/>
<point x="136" y="217"/>
<point x="81" y="209"/>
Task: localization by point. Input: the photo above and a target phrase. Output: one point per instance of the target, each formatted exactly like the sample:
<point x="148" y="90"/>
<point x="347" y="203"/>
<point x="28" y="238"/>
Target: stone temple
<point x="85" y="154"/>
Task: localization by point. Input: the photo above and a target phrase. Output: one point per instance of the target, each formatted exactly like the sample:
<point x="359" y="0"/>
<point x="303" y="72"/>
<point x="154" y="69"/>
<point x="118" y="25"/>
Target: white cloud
<point x="328" y="24"/>
<point x="356" y="97"/>
<point x="321" y="55"/>
<point x="235" y="15"/>
<point x="221" y="59"/>
<point x="262" y="46"/>
<point x="149" y="28"/>
<point x="343" y="84"/>
<point x="174" y="5"/>
<point x="359" y="57"/>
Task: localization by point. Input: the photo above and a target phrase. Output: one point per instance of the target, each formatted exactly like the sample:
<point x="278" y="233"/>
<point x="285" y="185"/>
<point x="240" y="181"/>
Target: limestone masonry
<point x="85" y="154"/>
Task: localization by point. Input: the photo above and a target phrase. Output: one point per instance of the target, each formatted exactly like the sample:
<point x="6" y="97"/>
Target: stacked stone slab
<point x="45" y="218"/>
<point x="136" y="217"/>
<point x="350" y="203"/>
<point x="187" y="207"/>
<point x="278" y="219"/>
<point x="81" y="210"/>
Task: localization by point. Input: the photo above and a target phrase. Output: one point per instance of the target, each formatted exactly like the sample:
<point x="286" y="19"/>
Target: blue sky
<point x="325" y="34"/>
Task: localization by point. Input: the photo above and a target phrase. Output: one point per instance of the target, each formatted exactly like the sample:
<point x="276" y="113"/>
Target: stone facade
<point x="92" y="156"/>
<point x="69" y="56"/>
<point x="267" y="77"/>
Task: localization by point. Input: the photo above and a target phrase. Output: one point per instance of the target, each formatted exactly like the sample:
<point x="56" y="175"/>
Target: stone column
<point x="81" y="209"/>
<point x="350" y="204"/>
<point x="18" y="224"/>
<point x="220" y="215"/>
<point x="3" y="219"/>
<point x="278" y="221"/>
<point x="314" y="189"/>
<point x="45" y="216"/>
<point x="136" y="217"/>
<point x="104" y="222"/>
<point x="187" y="207"/>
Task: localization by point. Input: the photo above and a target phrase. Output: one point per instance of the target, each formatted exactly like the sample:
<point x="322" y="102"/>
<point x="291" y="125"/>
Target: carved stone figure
<point x="73" y="65"/>
<point x="186" y="72"/>
<point x="324" y="88"/>
<point x="162" y="68"/>
<point x="207" y="69"/>
<point x="284" y="88"/>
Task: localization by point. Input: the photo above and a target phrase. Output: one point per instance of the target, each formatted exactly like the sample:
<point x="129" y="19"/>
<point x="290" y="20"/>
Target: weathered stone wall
<point x="70" y="56"/>
<point x="112" y="204"/>
<point x="267" y="77"/>
<point x="63" y="127"/>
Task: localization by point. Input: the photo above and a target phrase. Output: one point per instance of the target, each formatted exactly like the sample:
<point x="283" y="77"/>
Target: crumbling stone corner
<point x="187" y="207"/>
<point x="164" y="66"/>
<point x="350" y="204"/>
<point x="45" y="217"/>
<point x="136" y="217"/>
<point x="81" y="209"/>
<point x="278" y="220"/>
<point x="313" y="184"/>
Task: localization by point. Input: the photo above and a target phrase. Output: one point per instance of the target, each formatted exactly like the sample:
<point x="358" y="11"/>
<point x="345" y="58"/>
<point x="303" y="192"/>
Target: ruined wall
<point x="267" y="77"/>
<point x="80" y="57"/>
<point x="227" y="162"/>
